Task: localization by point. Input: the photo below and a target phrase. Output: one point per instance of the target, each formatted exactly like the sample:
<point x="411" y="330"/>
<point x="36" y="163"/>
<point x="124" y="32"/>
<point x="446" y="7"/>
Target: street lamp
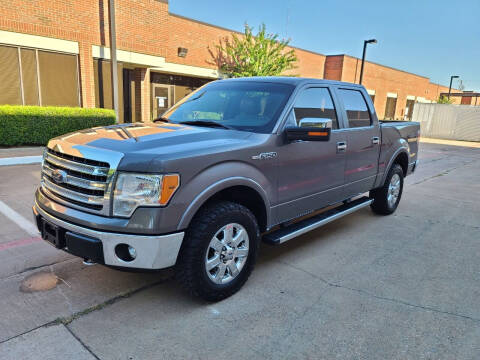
<point x="365" y="42"/>
<point x="450" y="87"/>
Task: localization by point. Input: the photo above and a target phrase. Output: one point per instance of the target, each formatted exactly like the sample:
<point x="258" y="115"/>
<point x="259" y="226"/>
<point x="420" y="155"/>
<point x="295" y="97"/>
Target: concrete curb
<point x="20" y="160"/>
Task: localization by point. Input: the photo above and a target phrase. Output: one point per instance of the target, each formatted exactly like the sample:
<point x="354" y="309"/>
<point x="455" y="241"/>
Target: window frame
<point x="291" y="111"/>
<point x="38" y="74"/>
<point x="345" y="116"/>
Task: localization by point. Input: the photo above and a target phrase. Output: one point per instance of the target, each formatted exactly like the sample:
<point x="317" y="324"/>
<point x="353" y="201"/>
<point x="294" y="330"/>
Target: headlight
<point x="133" y="190"/>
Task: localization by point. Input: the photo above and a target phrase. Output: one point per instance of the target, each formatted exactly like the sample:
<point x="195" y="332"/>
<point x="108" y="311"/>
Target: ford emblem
<point x="59" y="176"/>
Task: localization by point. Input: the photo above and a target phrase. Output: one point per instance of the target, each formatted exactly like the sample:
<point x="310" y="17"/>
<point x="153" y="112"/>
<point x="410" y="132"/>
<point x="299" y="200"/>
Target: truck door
<point x="310" y="173"/>
<point x="363" y="141"/>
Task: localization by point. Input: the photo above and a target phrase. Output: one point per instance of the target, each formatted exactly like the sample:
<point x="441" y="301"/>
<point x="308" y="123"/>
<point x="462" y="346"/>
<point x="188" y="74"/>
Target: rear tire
<point x="219" y="251"/>
<point x="387" y="198"/>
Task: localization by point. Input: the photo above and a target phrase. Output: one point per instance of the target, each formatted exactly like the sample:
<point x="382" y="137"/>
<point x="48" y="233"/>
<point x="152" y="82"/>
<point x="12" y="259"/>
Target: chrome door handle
<point x="341" y="146"/>
<point x="375" y="140"/>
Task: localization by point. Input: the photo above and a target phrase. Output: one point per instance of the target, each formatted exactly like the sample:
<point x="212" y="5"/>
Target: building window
<point x="10" y="87"/>
<point x="58" y="79"/>
<point x="390" y="108"/>
<point x="373" y="98"/>
<point x="409" y="109"/>
<point x="29" y="77"/>
<point x="37" y="77"/>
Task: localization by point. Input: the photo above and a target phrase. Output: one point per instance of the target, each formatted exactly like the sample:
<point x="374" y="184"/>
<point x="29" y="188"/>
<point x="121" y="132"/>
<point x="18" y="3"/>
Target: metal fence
<point x="453" y="122"/>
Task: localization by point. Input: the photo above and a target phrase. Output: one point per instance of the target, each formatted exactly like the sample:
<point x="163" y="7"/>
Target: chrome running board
<point x="304" y="226"/>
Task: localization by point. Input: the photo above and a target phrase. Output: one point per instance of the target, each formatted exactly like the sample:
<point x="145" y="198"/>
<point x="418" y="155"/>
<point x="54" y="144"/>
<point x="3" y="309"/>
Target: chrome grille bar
<point x="73" y="195"/>
<point x="76" y="166"/>
<point x="76" y="181"/>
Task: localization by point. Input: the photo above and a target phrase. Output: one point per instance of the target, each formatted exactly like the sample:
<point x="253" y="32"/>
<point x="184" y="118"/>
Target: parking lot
<point x="405" y="286"/>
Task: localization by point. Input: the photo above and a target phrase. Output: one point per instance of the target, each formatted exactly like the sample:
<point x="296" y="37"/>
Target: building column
<point x="142" y="94"/>
<point x="87" y="82"/>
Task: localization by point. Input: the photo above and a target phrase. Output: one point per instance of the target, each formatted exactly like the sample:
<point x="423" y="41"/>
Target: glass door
<point x="162" y="97"/>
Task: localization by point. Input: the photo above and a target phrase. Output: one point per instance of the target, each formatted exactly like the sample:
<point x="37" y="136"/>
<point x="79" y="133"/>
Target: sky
<point x="433" y="38"/>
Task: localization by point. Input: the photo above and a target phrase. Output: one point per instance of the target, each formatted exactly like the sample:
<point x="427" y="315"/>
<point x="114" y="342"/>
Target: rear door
<point x="310" y="173"/>
<point x="363" y="140"/>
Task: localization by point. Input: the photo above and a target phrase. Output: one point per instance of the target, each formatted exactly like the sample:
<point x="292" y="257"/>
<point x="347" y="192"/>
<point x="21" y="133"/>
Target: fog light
<point x="132" y="252"/>
<point x="125" y="252"/>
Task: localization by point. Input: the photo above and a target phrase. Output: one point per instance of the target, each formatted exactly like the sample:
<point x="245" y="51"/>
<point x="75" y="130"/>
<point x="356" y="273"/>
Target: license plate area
<point x="54" y="234"/>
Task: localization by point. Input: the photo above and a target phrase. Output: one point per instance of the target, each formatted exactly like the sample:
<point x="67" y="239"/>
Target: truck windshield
<point x="249" y="106"/>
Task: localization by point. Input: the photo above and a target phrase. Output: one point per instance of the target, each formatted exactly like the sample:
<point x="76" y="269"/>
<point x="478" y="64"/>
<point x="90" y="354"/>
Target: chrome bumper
<point x="153" y="252"/>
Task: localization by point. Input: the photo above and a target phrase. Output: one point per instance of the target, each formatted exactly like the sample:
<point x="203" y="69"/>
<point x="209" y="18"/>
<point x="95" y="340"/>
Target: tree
<point x="255" y="55"/>
<point x="444" y="100"/>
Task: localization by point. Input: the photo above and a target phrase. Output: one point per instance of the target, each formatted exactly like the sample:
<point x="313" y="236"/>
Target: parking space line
<point x="18" y="219"/>
<point x="21" y="242"/>
<point x="20" y="160"/>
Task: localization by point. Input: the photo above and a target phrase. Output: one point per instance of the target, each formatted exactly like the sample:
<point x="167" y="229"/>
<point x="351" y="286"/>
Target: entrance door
<point x="162" y="99"/>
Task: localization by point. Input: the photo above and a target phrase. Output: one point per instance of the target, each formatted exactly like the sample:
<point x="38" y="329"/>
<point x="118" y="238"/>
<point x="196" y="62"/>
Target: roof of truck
<point x="291" y="80"/>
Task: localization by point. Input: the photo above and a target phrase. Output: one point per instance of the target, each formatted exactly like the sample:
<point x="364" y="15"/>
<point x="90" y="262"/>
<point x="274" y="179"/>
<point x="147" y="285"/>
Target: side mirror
<point x="310" y="129"/>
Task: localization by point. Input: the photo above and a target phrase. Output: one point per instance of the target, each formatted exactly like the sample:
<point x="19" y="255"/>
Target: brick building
<point x="57" y="52"/>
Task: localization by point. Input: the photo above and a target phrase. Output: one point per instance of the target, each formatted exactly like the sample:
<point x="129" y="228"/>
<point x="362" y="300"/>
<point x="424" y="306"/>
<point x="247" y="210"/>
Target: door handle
<point x="375" y="140"/>
<point x="341" y="146"/>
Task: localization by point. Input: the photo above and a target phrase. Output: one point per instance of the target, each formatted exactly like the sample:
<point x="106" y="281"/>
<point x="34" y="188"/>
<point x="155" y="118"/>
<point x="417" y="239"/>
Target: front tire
<point x="387" y="198"/>
<point x="219" y="251"/>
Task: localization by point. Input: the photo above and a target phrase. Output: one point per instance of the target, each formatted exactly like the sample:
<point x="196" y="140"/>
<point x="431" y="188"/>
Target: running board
<point x="304" y="226"/>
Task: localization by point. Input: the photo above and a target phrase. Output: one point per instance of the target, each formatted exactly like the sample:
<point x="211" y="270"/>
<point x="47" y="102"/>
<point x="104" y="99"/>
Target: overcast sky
<point x="433" y="38"/>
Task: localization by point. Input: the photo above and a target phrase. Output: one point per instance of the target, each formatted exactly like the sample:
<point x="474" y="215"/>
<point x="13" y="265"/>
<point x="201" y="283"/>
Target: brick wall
<point x="145" y="26"/>
<point x="383" y="80"/>
<point x="334" y="67"/>
<point x="201" y="39"/>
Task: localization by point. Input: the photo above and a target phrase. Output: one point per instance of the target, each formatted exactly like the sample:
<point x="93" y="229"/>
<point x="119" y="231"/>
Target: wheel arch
<point x="241" y="190"/>
<point x="399" y="157"/>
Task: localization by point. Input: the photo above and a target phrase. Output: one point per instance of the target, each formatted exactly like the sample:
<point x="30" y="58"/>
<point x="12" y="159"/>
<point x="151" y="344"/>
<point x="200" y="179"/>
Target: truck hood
<point x="133" y="146"/>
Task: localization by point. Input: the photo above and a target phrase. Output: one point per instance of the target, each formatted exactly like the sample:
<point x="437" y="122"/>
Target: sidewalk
<point x="472" y="144"/>
<point x="21" y="155"/>
<point x="21" y="151"/>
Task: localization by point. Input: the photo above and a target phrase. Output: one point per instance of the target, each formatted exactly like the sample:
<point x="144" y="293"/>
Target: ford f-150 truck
<point x="235" y="162"/>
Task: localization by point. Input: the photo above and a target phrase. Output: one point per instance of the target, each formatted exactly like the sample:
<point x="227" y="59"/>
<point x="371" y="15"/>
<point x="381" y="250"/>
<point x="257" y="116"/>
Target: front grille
<point x="84" y="182"/>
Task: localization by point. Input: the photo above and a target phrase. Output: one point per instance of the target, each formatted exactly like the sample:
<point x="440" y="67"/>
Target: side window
<point x="315" y="103"/>
<point x="357" y="111"/>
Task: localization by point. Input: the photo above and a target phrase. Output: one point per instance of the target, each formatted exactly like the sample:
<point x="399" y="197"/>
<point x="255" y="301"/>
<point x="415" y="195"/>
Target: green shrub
<point x="35" y="125"/>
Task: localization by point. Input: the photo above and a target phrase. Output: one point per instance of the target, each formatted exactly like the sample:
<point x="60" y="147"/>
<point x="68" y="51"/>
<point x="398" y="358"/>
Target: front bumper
<point x="153" y="251"/>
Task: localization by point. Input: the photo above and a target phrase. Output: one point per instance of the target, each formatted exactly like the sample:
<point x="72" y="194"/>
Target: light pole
<point x="365" y="42"/>
<point x="450" y="87"/>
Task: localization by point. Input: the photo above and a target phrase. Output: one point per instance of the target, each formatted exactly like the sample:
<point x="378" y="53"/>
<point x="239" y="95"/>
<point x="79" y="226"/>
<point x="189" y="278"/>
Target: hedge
<point x="35" y="125"/>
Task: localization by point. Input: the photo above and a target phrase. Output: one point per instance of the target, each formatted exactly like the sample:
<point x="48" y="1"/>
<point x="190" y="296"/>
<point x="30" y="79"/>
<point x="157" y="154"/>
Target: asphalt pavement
<point x="405" y="286"/>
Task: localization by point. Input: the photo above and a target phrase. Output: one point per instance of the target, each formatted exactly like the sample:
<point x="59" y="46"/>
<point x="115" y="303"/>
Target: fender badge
<point x="265" y="156"/>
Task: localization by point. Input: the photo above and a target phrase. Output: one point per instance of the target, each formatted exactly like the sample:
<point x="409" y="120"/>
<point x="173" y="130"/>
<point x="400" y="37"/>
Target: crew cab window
<point x="243" y="105"/>
<point x="358" y="114"/>
<point x="315" y="103"/>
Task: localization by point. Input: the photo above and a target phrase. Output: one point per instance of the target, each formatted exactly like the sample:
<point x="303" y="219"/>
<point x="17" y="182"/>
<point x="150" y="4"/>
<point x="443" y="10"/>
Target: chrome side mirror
<point x="316" y="123"/>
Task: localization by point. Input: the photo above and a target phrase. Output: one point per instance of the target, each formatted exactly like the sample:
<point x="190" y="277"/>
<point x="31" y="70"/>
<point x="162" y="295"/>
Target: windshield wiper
<point x="205" y="123"/>
<point x="161" y="119"/>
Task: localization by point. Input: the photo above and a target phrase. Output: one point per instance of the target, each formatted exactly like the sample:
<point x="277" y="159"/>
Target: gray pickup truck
<point x="235" y="162"/>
